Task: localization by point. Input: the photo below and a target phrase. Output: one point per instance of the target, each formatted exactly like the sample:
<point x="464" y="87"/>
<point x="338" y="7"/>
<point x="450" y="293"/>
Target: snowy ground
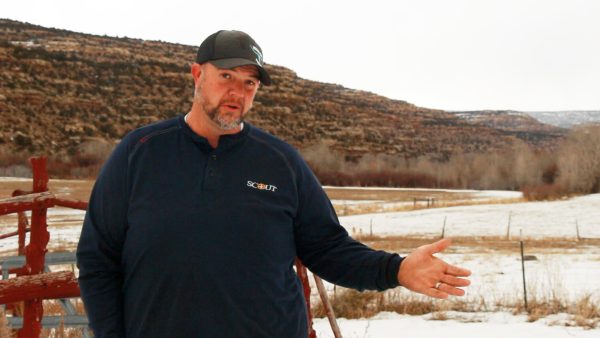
<point x="567" y="274"/>
<point x="405" y="198"/>
<point x="491" y="325"/>
<point x="571" y="273"/>
<point x="557" y="219"/>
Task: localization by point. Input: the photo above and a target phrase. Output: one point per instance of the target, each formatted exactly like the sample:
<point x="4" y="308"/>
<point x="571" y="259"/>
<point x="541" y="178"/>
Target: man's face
<point x="226" y="95"/>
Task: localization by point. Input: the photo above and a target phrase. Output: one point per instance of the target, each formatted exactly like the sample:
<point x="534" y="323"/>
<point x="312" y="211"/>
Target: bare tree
<point x="579" y="160"/>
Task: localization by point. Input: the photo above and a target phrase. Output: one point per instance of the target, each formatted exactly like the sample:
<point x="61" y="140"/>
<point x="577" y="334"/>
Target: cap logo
<point x="259" y="56"/>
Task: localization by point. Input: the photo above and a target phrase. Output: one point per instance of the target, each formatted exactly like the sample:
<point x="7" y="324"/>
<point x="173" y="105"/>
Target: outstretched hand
<point x="424" y="273"/>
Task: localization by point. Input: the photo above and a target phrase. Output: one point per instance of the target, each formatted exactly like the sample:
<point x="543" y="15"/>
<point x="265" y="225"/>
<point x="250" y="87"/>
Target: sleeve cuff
<point x="392" y="270"/>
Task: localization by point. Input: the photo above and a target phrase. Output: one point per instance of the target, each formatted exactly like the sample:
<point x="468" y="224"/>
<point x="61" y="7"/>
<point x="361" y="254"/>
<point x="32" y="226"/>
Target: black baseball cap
<point x="229" y="49"/>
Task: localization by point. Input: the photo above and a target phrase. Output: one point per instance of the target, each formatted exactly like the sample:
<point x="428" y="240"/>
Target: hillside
<point x="518" y="124"/>
<point x="59" y="88"/>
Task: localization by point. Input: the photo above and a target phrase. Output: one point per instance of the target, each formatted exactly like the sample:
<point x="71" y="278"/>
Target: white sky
<point x="448" y="54"/>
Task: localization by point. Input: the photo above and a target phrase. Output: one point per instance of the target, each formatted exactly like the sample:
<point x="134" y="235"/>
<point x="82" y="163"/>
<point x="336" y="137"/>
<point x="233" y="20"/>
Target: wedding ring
<point x="437" y="285"/>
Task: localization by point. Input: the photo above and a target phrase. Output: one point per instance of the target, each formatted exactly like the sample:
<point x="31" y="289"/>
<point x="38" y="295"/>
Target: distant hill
<point x="516" y="123"/>
<point x="60" y="88"/>
<point x="567" y="119"/>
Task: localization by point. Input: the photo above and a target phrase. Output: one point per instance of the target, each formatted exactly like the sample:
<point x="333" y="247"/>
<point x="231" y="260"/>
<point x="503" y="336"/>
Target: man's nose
<point x="236" y="88"/>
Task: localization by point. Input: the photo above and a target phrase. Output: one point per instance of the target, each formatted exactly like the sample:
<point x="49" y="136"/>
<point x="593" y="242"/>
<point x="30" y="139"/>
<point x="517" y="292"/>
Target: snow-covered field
<point x="460" y="325"/>
<point x="567" y="273"/>
<point x="404" y="198"/>
<point x="556" y="219"/>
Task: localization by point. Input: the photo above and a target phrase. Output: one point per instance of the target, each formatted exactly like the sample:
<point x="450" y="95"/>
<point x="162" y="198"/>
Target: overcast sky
<point x="528" y="55"/>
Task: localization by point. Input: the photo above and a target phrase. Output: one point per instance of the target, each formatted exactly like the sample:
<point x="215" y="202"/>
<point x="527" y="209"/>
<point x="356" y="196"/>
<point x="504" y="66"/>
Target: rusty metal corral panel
<point x="22" y="203"/>
<point x="303" y="275"/>
<point x="35" y="251"/>
<point x="52" y="285"/>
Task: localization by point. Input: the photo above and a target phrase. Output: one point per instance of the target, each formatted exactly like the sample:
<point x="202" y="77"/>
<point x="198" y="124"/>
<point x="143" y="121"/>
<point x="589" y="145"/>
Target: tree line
<point x="573" y="168"/>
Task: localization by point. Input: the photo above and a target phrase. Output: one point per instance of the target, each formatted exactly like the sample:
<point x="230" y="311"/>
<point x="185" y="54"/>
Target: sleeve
<point x="325" y="247"/>
<point x="100" y="246"/>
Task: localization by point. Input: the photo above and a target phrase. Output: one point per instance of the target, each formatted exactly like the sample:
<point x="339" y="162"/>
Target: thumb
<point x="438" y="246"/>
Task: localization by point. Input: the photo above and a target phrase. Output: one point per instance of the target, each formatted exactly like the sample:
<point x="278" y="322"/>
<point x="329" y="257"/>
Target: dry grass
<point x="370" y="208"/>
<point x="61" y="332"/>
<point x="393" y="195"/>
<point x="51" y="308"/>
<point x="585" y="312"/>
<point x="71" y="189"/>
<point x="474" y="245"/>
<point x="54" y="308"/>
<point x="395" y="201"/>
<point x="545" y="192"/>
<point x="352" y="304"/>
<point x="5" y="331"/>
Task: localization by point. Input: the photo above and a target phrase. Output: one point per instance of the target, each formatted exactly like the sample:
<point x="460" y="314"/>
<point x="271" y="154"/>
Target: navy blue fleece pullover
<point x="185" y="241"/>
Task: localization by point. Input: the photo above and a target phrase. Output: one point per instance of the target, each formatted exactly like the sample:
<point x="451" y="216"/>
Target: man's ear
<point x="196" y="70"/>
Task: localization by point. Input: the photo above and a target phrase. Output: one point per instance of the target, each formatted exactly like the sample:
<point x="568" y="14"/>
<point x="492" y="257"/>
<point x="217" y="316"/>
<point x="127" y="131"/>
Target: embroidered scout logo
<point x="259" y="56"/>
<point x="261" y="186"/>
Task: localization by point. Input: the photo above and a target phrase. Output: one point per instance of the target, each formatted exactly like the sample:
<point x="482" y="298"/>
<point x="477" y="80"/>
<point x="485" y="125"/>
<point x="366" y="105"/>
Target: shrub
<point x="544" y="192"/>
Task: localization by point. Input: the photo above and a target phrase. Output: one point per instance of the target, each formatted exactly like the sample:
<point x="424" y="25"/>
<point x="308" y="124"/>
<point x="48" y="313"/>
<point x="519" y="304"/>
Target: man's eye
<point x="226" y="76"/>
<point x="251" y="83"/>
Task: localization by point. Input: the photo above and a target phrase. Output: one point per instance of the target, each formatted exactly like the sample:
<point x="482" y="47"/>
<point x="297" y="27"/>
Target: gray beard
<point x="225" y="125"/>
<point x="213" y="114"/>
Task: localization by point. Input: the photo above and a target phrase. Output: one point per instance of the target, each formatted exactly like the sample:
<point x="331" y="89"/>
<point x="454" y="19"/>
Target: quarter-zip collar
<point x="226" y="142"/>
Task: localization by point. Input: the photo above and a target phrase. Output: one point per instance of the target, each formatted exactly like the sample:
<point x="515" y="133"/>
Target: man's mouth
<point x="232" y="106"/>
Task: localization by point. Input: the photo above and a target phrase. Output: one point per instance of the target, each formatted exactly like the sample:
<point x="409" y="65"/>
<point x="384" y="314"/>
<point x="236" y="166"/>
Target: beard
<point x="224" y="120"/>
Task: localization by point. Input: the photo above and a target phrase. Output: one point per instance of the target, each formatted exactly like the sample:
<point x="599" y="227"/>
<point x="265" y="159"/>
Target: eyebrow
<point x="255" y="73"/>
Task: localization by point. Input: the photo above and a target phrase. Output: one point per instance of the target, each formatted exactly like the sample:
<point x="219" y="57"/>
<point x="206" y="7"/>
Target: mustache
<point x="239" y="103"/>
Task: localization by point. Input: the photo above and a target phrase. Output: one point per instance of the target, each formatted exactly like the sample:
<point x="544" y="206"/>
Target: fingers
<point x="443" y="290"/>
<point x="423" y="272"/>
<point x="454" y="281"/>
<point x="436" y="293"/>
<point x="450" y="290"/>
<point x="449" y="284"/>
<point x="457" y="271"/>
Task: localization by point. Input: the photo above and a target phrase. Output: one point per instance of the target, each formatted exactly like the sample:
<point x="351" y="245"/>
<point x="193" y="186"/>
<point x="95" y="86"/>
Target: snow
<point x="356" y="202"/>
<point x="550" y="276"/>
<point x="406" y="201"/>
<point x="556" y="219"/>
<point x="488" y="325"/>
<point x="483" y="193"/>
<point x="14" y="179"/>
<point x="64" y="225"/>
<point x="555" y="274"/>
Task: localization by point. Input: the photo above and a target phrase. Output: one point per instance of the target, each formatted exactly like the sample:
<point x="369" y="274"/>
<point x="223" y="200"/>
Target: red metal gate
<point x="31" y="285"/>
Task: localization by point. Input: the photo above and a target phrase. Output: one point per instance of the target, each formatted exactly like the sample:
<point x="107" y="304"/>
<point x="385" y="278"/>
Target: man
<point x="194" y="223"/>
